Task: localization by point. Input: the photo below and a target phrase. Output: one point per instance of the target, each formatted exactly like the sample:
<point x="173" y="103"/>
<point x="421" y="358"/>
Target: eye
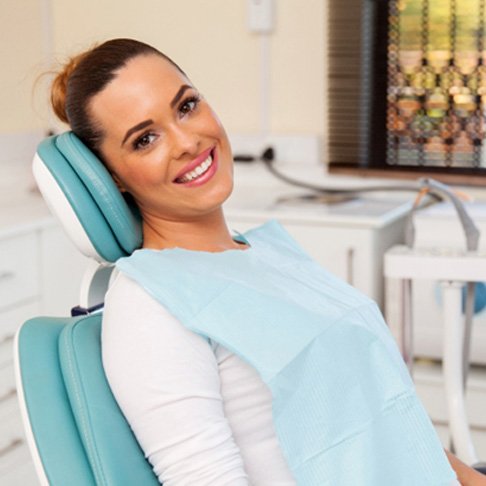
<point x="189" y="105"/>
<point x="144" y="141"/>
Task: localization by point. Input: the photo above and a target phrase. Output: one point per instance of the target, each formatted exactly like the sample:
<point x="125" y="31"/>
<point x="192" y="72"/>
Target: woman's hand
<point x="466" y="475"/>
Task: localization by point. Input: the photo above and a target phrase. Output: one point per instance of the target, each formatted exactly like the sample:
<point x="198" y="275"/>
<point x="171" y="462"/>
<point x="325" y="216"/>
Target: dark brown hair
<point x="85" y="75"/>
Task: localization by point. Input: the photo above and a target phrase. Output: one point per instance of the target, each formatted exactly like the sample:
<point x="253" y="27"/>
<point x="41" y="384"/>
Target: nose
<point x="184" y="141"/>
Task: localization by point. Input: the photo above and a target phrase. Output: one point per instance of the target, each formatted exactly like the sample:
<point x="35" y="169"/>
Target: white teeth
<point x="199" y="170"/>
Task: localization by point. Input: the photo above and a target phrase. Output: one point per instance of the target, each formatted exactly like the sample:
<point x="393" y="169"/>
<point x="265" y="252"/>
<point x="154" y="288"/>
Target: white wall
<point x="209" y="39"/>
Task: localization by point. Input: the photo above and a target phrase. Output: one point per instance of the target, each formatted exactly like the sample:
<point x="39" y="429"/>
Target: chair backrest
<point x="75" y="429"/>
<point x="76" y="432"/>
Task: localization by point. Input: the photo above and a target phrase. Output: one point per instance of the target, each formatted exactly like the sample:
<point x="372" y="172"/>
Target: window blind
<point x="389" y="63"/>
<point x="349" y="57"/>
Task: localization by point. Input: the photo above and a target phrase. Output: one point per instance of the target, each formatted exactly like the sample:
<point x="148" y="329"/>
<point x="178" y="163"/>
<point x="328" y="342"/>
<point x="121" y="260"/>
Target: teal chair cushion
<point x="80" y="433"/>
<point x="112" y="224"/>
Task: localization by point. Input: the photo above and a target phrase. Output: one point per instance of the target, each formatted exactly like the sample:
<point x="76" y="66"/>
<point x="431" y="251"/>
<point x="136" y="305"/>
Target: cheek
<point x="213" y="124"/>
<point x="136" y="180"/>
<point x="221" y="131"/>
<point x="145" y="178"/>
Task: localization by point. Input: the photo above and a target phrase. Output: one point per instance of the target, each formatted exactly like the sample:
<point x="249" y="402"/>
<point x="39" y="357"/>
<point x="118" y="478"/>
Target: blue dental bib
<point x="344" y="406"/>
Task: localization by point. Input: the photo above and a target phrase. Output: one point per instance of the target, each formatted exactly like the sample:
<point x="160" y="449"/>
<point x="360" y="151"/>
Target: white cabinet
<point x="13" y="448"/>
<point x="19" y="300"/>
<point x="19" y="269"/>
<point x="40" y="274"/>
<point x="61" y="270"/>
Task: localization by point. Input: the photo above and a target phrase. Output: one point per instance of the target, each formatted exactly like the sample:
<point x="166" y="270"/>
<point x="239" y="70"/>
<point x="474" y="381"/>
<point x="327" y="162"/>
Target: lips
<point x="198" y="168"/>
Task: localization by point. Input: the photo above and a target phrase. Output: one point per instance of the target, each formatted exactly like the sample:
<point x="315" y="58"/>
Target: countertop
<point x="259" y="194"/>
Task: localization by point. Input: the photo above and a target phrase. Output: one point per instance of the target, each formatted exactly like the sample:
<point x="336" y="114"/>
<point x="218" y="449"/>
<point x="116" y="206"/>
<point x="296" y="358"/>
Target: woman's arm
<point x="465" y="474"/>
<point x="165" y="379"/>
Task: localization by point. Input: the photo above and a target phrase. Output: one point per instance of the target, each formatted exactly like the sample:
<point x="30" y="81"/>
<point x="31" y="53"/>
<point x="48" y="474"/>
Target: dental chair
<point x="76" y="432"/>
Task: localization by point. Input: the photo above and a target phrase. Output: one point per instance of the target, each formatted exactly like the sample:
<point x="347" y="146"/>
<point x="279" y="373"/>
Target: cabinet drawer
<point x="7" y="384"/>
<point x="11" y="428"/>
<point x="10" y="321"/>
<point x="19" y="269"/>
<point x="21" y="470"/>
<point x="13" y="447"/>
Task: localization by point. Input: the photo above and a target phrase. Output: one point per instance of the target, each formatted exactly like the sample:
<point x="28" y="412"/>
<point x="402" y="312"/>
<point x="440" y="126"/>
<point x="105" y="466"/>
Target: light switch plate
<point x="260" y="16"/>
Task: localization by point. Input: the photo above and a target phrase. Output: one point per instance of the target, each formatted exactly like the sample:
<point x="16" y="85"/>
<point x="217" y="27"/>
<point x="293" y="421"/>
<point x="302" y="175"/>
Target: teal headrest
<point x="111" y="224"/>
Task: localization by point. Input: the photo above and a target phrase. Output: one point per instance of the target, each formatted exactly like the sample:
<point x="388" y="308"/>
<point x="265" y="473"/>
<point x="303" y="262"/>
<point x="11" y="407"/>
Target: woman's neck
<point x="209" y="233"/>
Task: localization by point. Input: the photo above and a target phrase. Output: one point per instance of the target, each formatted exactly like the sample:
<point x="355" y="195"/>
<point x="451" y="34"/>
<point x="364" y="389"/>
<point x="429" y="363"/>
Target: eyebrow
<point x="179" y="94"/>
<point x="136" y="128"/>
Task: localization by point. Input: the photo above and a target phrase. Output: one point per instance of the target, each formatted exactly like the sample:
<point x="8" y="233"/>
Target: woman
<point x="201" y="412"/>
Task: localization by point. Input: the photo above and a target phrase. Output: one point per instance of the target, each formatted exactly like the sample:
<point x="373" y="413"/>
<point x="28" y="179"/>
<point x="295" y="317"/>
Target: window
<point x="408" y="87"/>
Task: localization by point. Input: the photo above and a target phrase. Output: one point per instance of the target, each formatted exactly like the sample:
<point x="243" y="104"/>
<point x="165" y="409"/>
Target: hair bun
<point x="60" y="85"/>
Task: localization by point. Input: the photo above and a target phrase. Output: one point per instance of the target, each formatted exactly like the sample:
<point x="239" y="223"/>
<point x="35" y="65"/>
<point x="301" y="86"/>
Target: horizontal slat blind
<point x="358" y="93"/>
<point x="346" y="107"/>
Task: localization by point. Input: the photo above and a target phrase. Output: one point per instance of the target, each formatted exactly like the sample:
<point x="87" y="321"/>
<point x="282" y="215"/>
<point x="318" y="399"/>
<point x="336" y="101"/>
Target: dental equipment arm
<point x="472" y="234"/>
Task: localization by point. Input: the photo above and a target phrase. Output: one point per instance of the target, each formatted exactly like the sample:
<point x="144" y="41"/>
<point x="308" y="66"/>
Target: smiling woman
<point x="166" y="147"/>
<point x="232" y="367"/>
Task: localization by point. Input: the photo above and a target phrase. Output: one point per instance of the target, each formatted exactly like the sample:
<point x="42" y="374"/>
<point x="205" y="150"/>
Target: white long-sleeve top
<point x="201" y="414"/>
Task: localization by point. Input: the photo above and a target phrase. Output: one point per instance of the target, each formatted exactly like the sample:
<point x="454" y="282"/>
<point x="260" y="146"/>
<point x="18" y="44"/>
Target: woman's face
<point x="162" y="142"/>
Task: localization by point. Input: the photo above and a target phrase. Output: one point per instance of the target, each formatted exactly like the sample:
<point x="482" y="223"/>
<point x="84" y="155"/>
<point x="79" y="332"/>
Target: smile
<point x="200" y="170"/>
<point x="197" y="171"/>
